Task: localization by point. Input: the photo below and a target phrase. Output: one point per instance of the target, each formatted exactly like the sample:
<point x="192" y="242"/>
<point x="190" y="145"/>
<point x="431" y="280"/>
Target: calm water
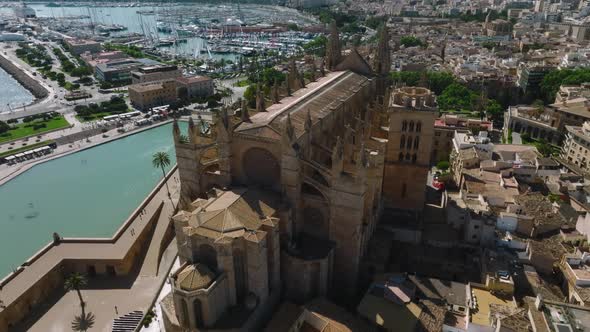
<point x="12" y="93"/>
<point x="86" y="194"/>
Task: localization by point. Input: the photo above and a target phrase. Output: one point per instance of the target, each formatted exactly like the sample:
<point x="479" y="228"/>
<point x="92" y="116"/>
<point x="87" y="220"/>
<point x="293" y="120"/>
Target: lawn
<point x="26" y="129"/>
<point x="242" y="83"/>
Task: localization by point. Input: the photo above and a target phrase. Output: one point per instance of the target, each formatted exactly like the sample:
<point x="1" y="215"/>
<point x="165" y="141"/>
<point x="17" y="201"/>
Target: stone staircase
<point x="128" y="322"/>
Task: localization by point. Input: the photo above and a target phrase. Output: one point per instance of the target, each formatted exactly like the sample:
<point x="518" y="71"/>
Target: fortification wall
<point x="23" y="78"/>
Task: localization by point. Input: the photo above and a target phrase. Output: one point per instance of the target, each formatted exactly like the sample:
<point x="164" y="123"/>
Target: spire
<point x="221" y="126"/>
<point x="224" y="117"/>
<point x="308" y="121"/>
<point x="333" y="51"/>
<point x="288" y="84"/>
<point x="176" y="130"/>
<point x="301" y="78"/>
<point x="245" y="116"/>
<point x="191" y="130"/>
<point x="275" y="92"/>
<point x="382" y="65"/>
<point x="260" y="107"/>
<point x="293" y="75"/>
<point x="361" y="162"/>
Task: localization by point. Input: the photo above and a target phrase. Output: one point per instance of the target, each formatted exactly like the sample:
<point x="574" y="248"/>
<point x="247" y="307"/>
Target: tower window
<point x="401" y="156"/>
<point x="408" y="156"/>
<point x="418" y="126"/>
<point x="414" y="158"/>
<point x="411" y="126"/>
<point x="409" y="143"/>
<point x="402" y="142"/>
<point x="416" y="143"/>
<point x="404" y="125"/>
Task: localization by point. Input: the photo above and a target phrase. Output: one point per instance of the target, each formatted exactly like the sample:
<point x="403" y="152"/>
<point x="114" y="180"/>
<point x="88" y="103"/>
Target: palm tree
<point x="74" y="282"/>
<point x="162" y="160"/>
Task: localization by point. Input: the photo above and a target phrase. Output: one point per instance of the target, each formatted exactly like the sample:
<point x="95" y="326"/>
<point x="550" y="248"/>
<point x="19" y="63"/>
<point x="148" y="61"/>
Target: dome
<point x="194" y="277"/>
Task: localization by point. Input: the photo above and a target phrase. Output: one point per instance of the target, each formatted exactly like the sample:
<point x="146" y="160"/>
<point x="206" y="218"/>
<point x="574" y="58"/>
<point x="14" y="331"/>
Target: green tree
<point x="554" y="79"/>
<point x="250" y="95"/>
<point x="316" y="46"/>
<point x="4" y="127"/>
<point x="74" y="282"/>
<point x="162" y="160"/>
<point x="437" y="81"/>
<point x="410" y="41"/>
<point x="494" y="110"/>
<point x="443" y="165"/>
<point x="456" y="97"/>
<point x="544" y="148"/>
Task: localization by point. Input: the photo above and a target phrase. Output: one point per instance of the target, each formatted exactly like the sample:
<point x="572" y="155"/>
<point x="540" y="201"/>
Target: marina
<point x="212" y="32"/>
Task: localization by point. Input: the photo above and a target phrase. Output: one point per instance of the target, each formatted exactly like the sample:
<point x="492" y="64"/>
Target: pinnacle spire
<point x="260" y="107"/>
<point x="333" y="50"/>
<point x="382" y="64"/>
<point x="245" y="117"/>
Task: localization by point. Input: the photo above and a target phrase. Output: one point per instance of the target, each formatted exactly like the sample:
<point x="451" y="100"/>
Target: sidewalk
<point x="7" y="172"/>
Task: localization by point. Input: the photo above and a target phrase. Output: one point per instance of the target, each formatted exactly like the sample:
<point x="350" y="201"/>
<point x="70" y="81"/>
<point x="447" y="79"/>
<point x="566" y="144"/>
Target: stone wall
<point x="23" y="78"/>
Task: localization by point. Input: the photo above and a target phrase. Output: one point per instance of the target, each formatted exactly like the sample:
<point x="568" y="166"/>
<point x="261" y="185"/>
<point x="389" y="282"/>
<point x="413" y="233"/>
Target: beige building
<point x="147" y="95"/>
<point x="576" y="147"/>
<point x="79" y="46"/>
<point x="411" y="114"/>
<point x="155" y="73"/>
<point x="229" y="246"/>
<point x="287" y="197"/>
<point x="444" y="132"/>
<point x="195" y="86"/>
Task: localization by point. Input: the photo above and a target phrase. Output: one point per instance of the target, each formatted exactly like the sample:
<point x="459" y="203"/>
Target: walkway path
<point x="106" y="297"/>
<point x="9" y="171"/>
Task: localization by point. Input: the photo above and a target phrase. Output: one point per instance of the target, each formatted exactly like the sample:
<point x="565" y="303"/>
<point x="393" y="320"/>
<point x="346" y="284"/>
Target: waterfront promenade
<point x="107" y="297"/>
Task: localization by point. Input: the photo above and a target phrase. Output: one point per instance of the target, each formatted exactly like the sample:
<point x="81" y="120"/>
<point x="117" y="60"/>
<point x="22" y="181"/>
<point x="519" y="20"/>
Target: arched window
<point x="185" y="318"/>
<point x="408" y="156"/>
<point x="414" y="158"/>
<point x="416" y="143"/>
<point x="418" y="126"/>
<point x="197" y="307"/>
<point x="401" y="156"/>
<point x="409" y="143"/>
<point x="411" y="126"/>
<point x="402" y="142"/>
<point x="404" y="125"/>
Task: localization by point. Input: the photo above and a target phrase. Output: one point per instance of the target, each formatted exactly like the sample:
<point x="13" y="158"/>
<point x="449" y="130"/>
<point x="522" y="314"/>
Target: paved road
<point x="55" y="100"/>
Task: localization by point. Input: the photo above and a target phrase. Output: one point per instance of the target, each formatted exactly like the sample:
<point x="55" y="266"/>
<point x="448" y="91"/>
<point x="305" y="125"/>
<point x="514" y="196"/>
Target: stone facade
<point x="147" y="95"/>
<point x="411" y="112"/>
<point x="313" y="168"/>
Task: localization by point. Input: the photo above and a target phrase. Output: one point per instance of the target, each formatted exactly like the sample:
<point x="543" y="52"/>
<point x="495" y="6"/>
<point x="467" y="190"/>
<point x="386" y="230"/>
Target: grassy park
<point x="33" y="127"/>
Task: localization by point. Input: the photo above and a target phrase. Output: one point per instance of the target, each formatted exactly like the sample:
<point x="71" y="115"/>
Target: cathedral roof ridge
<point x="276" y="110"/>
